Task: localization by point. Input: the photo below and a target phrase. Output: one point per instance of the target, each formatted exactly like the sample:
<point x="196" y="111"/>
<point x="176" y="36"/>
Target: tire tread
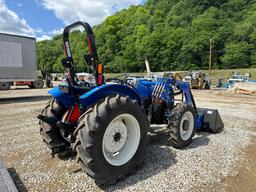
<point x="86" y="134"/>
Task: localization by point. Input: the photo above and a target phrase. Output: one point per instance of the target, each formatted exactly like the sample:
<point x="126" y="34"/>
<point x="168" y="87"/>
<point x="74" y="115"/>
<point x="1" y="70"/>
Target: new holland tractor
<point x="105" y="124"/>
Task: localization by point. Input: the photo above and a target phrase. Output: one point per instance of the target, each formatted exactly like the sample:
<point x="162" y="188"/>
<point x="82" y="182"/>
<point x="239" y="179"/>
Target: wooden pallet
<point x="6" y="182"/>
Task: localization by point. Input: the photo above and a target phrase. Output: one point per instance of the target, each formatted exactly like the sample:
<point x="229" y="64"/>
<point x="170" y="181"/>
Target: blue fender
<point x="65" y="98"/>
<point x="99" y="92"/>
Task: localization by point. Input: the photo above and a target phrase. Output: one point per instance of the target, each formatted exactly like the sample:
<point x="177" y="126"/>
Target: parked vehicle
<point x="236" y="78"/>
<point x="18" y="62"/>
<point x="197" y="80"/>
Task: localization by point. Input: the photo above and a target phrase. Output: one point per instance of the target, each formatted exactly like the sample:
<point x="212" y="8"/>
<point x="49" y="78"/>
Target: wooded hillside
<point x="172" y="34"/>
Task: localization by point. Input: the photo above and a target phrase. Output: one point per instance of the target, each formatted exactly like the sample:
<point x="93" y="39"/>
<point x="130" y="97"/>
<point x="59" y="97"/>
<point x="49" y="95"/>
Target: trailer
<point x="18" y="62"/>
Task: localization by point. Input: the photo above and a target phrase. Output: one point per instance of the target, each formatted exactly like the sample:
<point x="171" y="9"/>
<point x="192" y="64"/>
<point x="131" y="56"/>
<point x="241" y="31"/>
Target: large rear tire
<point x="5" y="85"/>
<point x="49" y="131"/>
<point x="111" y="138"/>
<point x="182" y="125"/>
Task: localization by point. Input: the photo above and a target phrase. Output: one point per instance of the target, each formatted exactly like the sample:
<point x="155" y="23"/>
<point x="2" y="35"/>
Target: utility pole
<point x="210" y="57"/>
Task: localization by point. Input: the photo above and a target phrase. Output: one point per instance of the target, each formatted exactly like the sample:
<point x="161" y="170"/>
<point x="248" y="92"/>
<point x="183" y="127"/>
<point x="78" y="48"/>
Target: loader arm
<point x="185" y="88"/>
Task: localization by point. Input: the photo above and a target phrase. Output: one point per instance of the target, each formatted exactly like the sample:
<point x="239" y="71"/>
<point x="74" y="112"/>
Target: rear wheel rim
<point x="121" y="139"/>
<point x="187" y="125"/>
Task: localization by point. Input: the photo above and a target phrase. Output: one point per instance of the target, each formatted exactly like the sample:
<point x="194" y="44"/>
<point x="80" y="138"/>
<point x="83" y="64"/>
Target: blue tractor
<point x="106" y="123"/>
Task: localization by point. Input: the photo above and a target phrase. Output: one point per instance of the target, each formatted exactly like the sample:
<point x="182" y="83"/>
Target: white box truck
<point x="18" y="62"/>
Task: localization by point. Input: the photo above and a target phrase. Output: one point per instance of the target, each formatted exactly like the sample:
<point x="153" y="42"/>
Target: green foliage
<point x="171" y="34"/>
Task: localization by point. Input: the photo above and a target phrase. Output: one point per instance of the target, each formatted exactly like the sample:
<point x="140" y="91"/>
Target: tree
<point x="236" y="55"/>
<point x="171" y="34"/>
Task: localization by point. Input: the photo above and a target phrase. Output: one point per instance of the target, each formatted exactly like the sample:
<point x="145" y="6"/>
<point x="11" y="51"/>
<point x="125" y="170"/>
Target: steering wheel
<point x="119" y="79"/>
<point x="124" y="75"/>
<point x="123" y="81"/>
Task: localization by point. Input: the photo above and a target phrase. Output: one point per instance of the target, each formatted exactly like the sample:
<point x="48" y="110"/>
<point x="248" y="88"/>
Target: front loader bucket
<point x="210" y="120"/>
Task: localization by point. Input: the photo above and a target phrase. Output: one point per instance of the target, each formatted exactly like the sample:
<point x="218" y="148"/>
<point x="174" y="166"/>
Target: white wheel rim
<point x="121" y="139"/>
<point x="187" y="125"/>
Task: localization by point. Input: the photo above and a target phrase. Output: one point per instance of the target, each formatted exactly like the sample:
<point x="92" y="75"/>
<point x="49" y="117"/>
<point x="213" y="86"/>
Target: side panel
<point x="64" y="98"/>
<point x="145" y="88"/>
<point x="17" y="58"/>
<point x="97" y="93"/>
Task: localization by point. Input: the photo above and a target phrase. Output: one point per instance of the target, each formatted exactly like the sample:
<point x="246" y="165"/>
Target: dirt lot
<point x="220" y="162"/>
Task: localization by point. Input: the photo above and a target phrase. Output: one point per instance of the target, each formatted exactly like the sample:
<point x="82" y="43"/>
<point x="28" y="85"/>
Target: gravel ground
<point x="209" y="159"/>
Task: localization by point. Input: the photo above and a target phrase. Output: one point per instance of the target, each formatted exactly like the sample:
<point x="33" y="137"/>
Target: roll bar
<point x="91" y="57"/>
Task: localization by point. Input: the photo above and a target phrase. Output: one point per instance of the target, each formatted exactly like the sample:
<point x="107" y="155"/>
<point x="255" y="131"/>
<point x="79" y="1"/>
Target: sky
<point x="45" y="18"/>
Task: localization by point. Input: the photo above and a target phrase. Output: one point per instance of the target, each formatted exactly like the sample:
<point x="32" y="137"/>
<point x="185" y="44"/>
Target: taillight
<point x="100" y="79"/>
<point x="73" y="114"/>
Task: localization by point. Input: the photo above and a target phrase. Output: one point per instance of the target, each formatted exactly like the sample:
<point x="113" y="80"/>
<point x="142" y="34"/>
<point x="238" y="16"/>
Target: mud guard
<point x="65" y="98"/>
<point x="94" y="95"/>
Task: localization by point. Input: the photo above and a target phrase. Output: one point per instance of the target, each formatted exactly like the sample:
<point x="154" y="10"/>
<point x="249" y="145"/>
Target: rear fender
<point x="94" y="95"/>
<point x="65" y="98"/>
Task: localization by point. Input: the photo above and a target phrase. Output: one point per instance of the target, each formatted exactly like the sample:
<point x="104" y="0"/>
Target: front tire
<point x="111" y="138"/>
<point x="182" y="125"/>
